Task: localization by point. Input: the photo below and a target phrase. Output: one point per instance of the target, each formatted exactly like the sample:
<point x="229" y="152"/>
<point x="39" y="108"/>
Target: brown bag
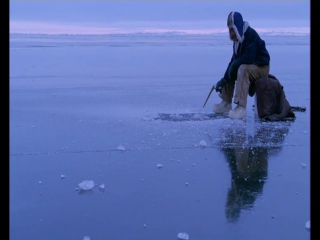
<point x="272" y="104"/>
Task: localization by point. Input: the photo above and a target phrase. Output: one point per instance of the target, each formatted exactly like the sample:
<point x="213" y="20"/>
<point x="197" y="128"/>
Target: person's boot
<point x="238" y="113"/>
<point x="222" y="107"/>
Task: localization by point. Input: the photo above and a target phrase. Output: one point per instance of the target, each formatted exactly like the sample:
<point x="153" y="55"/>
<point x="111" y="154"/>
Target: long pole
<point x="209" y="95"/>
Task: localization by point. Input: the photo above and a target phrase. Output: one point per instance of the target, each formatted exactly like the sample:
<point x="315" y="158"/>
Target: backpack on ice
<point x="272" y="104"/>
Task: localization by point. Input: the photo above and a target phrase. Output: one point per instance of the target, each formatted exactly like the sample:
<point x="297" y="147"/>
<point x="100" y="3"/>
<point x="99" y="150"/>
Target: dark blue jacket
<point x="252" y="50"/>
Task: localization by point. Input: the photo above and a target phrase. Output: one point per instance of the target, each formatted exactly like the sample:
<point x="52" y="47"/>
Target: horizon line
<point x="163" y="32"/>
<point x="26" y="27"/>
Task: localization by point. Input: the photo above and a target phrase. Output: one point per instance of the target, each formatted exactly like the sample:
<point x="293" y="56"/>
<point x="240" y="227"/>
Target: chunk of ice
<point x="303" y="165"/>
<point x="62" y="176"/>
<point x="183" y="236"/>
<point x="86" y="238"/>
<point x="121" y="148"/>
<point x="86" y="185"/>
<point x="102" y="187"/>
<point x="202" y="143"/>
<point x="308" y="225"/>
<point x="159" y="166"/>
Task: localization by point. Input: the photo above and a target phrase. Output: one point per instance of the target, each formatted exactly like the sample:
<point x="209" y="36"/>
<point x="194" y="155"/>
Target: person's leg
<point x="245" y="74"/>
<point x="226" y="95"/>
<point x="227" y="92"/>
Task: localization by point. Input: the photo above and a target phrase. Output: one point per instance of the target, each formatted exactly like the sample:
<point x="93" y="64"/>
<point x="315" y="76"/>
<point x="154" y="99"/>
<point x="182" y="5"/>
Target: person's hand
<point x="232" y="71"/>
<point x="220" y="85"/>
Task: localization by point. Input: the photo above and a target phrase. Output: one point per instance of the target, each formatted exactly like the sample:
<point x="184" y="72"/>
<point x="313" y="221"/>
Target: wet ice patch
<point x="180" y="117"/>
<point x="183" y="236"/>
<point x="86" y="185"/>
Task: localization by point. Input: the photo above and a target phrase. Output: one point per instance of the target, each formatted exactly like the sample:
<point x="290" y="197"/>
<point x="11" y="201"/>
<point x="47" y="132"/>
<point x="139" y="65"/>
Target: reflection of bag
<point x="272" y="104"/>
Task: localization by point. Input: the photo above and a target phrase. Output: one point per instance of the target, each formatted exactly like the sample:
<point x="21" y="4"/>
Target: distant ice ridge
<point x="148" y="39"/>
<point x="32" y="27"/>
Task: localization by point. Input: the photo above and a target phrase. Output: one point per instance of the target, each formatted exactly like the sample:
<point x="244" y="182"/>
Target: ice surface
<point x="91" y="93"/>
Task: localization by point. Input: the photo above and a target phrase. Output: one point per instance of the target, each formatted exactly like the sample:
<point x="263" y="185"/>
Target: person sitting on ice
<point x="250" y="61"/>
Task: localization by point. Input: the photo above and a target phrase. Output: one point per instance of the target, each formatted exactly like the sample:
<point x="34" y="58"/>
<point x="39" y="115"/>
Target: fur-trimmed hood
<point x="236" y="22"/>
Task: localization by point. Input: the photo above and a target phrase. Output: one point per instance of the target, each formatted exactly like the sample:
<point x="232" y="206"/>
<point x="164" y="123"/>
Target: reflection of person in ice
<point x="248" y="162"/>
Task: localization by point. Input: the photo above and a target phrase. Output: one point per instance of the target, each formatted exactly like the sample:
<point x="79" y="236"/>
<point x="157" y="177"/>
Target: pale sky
<point x="116" y="16"/>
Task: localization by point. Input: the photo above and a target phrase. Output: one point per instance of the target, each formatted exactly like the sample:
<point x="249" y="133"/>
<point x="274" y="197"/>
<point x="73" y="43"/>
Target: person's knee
<point x="242" y="69"/>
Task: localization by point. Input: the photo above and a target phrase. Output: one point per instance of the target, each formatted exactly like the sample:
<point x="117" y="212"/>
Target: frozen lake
<point x="110" y="108"/>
